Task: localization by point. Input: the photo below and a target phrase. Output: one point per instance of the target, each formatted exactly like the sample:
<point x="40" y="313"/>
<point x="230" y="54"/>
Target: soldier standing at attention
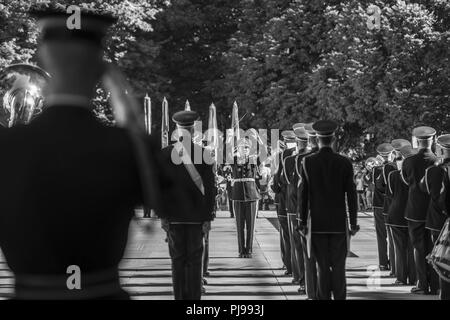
<point x="378" y="179"/>
<point x="186" y="228"/>
<point x="245" y="196"/>
<point x="413" y="170"/>
<point x="328" y="189"/>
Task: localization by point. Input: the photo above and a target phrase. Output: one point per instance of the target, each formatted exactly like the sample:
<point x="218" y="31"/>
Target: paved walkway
<point x="146" y="274"/>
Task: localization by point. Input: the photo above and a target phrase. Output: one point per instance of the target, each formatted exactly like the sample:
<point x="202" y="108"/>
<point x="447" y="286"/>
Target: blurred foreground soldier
<point x="291" y="179"/>
<point x="61" y="214"/>
<point x="328" y="189"/>
<point x="245" y="196"/>
<point x="379" y="178"/>
<point x="310" y="261"/>
<point x="280" y="191"/>
<point x="413" y="170"/>
<point x="397" y="194"/>
<point x="187" y="227"/>
<point x="432" y="184"/>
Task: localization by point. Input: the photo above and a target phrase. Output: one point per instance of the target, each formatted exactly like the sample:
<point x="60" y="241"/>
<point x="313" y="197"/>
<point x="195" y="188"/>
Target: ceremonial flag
<point x="187" y="106"/>
<point x="148" y="113"/>
<point x="165" y="124"/>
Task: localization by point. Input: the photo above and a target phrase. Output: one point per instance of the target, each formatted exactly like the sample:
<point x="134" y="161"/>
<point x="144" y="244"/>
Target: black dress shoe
<point x="241" y="255"/>
<point x="384" y="267"/>
<point x="295" y="281"/>
<point x="206" y="274"/>
<point x="399" y="283"/>
<point x="205" y="282"/>
<point x="417" y="290"/>
<point x="288" y="273"/>
<point x="203" y="290"/>
<point x="302" y="290"/>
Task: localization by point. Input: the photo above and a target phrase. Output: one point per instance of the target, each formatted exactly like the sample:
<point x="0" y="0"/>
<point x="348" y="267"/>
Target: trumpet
<point x="21" y="86"/>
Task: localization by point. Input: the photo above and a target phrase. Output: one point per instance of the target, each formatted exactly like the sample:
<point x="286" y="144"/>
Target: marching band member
<point x="310" y="261"/>
<point x="379" y="178"/>
<point x="290" y="178"/>
<point x="432" y="184"/>
<point x="397" y="195"/>
<point x="280" y="190"/>
<point x="413" y="170"/>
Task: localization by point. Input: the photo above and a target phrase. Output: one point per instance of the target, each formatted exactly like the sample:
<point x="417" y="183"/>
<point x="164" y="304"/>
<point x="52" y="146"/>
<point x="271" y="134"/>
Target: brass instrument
<point x="21" y="86"/>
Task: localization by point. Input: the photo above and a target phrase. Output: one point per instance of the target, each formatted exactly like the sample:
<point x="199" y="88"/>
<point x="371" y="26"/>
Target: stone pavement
<point x="146" y="274"/>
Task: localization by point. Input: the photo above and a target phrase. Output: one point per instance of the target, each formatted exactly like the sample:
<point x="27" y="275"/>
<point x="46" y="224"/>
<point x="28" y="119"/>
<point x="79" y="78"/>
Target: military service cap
<point x="398" y="143"/>
<point x="309" y="129"/>
<point x="325" y="128"/>
<point x="185" y="119"/>
<point x="407" y="151"/>
<point x="298" y="125"/>
<point x="444" y="141"/>
<point x="385" y="149"/>
<point x="300" y="133"/>
<point x="53" y="25"/>
<point x="288" y="135"/>
<point x="423" y="132"/>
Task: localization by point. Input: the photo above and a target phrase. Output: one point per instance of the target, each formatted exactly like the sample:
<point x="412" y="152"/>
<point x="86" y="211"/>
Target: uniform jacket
<point x="379" y="179"/>
<point x="292" y="164"/>
<point x="278" y="186"/>
<point x="413" y="170"/>
<point x="327" y="184"/>
<point x="432" y="184"/>
<point x="190" y="205"/>
<point x="245" y="190"/>
<point x="397" y="194"/>
<point x="67" y="194"/>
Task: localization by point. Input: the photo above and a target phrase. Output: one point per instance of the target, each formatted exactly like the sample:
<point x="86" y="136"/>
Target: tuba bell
<point x="21" y="87"/>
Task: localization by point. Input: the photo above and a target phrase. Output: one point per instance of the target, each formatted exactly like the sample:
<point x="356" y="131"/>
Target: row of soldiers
<point x="314" y="186"/>
<point x="409" y="210"/>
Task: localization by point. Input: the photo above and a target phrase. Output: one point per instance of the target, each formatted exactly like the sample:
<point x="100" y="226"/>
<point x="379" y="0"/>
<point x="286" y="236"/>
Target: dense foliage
<point x="283" y="61"/>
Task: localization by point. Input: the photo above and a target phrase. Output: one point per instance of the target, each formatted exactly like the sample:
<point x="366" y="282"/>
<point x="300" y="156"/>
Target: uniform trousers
<point x="443" y="285"/>
<point x="391" y="248"/>
<point x="245" y="213"/>
<point x="404" y="255"/>
<point x="310" y="271"/>
<point x="297" y="262"/>
<point x="330" y="251"/>
<point x="421" y="241"/>
<point x="285" y="243"/>
<point x="186" y="250"/>
<point x="381" y="232"/>
<point x="205" y="252"/>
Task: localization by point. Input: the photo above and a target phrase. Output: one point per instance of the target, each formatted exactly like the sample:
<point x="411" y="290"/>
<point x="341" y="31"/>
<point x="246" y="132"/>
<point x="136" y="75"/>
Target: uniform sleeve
<point x="352" y="199"/>
<point x="389" y="190"/>
<point x="424" y="182"/>
<point x="405" y="172"/>
<point x="276" y="185"/>
<point x="304" y="194"/>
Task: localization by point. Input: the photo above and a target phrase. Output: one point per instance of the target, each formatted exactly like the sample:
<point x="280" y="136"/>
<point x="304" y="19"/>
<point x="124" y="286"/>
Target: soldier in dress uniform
<point x="379" y="178"/>
<point x="280" y="190"/>
<point x="432" y="184"/>
<point x="245" y="195"/>
<point x="397" y="195"/>
<point x="290" y="178"/>
<point x="59" y="212"/>
<point x="444" y="153"/>
<point x="186" y="228"/>
<point x="328" y="189"/>
<point x="413" y="170"/>
<point x="310" y="261"/>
